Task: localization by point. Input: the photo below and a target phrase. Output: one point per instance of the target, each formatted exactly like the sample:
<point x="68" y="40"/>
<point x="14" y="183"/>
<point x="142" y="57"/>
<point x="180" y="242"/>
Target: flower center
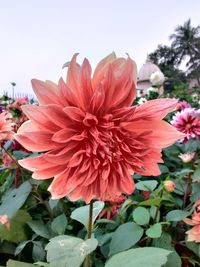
<point x="90" y="120"/>
<point x="188" y="126"/>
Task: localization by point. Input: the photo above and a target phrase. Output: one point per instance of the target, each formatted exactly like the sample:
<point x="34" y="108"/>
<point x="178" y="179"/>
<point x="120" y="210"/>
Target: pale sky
<point x="38" y="36"/>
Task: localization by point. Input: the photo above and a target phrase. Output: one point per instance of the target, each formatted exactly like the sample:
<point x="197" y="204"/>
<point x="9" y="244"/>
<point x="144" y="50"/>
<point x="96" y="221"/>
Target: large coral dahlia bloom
<point x="91" y="136"/>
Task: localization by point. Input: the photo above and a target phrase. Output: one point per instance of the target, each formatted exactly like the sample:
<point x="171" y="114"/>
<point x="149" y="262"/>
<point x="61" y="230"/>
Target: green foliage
<point x="17" y="231"/>
<point x="68" y="251"/>
<point x="154" y="231"/>
<point x="12" y="263"/>
<point x="125" y="236"/>
<point x="39" y="228"/>
<point x="177" y="215"/>
<point x="59" y="224"/>
<point x="149" y="185"/>
<point x="139" y="257"/>
<point x="141" y="216"/>
<point x="82" y="214"/>
<point x="14" y="199"/>
<point x="165" y="241"/>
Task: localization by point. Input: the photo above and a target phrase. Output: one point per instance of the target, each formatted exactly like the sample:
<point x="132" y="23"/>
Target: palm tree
<point x="186" y="43"/>
<point x="184" y="40"/>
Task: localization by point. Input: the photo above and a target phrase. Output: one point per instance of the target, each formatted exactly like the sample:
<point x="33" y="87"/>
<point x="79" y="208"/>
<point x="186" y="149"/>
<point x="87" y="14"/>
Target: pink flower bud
<point x="5" y="221"/>
<point x="169" y="186"/>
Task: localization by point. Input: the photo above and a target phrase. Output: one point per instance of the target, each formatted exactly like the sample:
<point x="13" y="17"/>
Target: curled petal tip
<point x="68" y="62"/>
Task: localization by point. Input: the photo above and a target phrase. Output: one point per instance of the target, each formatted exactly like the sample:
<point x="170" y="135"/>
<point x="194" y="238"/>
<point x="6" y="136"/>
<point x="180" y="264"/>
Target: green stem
<point x="187" y="189"/>
<point x="89" y="233"/>
<point x="158" y="208"/>
<point x="43" y="202"/>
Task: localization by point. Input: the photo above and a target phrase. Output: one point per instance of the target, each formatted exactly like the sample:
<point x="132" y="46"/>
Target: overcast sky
<point x="38" y="36"/>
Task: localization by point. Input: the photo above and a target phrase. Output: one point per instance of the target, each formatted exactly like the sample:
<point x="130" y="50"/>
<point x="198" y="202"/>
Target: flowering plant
<point x="114" y="195"/>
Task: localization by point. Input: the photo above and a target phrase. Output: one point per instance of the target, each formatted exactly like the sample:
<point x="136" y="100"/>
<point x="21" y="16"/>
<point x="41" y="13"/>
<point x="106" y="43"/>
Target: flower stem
<point x="187" y="190"/>
<point x="11" y="157"/>
<point x="89" y="233"/>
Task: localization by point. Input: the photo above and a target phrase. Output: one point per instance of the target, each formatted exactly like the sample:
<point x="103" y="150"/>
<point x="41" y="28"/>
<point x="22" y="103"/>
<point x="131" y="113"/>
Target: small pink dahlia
<point x="182" y="105"/>
<point x="188" y="122"/>
<point x="91" y="137"/>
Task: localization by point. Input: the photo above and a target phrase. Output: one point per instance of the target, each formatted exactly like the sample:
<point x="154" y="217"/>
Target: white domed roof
<point x="146" y="70"/>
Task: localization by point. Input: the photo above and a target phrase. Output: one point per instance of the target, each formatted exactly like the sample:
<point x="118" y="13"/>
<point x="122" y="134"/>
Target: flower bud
<point x="169" y="186"/>
<point x="5" y="221"/>
<point x="187" y="157"/>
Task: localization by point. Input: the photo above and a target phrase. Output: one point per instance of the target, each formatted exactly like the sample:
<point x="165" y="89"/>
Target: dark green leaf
<point x="14" y="199"/>
<point x="39" y="228"/>
<point x="154" y="231"/>
<point x="139" y="257"/>
<point x="149" y="185"/>
<point x="59" y="224"/>
<point x="141" y="216"/>
<point x="126" y="236"/>
<point x="177" y="215"/>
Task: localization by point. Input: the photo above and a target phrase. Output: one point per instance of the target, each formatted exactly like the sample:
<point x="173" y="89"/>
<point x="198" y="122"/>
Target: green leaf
<point x="41" y="264"/>
<point x="151" y="202"/>
<point x="174" y="260"/>
<point x="14" y="199"/>
<point x="104" y="239"/>
<point x="68" y="251"/>
<point x="149" y="185"/>
<point x="100" y="221"/>
<point x="82" y="214"/>
<point x="139" y="257"/>
<point x="21" y="246"/>
<point x="17" y="231"/>
<point x="38" y="252"/>
<point x="163" y="168"/>
<point x="177" y="215"/>
<point x="165" y="241"/>
<point x="141" y="216"/>
<point x="154" y="231"/>
<point x="39" y="228"/>
<point x="12" y="263"/>
<point x="126" y="236"/>
<point x="194" y="247"/>
<point x="59" y="224"/>
<point x="196" y="175"/>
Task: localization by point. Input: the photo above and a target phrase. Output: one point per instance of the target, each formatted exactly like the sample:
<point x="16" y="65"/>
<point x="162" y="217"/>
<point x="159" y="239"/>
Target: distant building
<point x="143" y="79"/>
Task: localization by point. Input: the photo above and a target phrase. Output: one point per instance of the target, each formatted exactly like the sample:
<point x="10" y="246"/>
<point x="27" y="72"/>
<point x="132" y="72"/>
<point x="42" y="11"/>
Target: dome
<point x="143" y="79"/>
<point x="146" y="70"/>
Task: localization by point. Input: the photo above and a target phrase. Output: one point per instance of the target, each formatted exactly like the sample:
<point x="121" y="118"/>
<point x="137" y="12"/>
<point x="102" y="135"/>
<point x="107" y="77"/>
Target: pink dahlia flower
<point x="6" y="126"/>
<point x="182" y="105"/>
<point x="188" y="122"/>
<point x="91" y="136"/>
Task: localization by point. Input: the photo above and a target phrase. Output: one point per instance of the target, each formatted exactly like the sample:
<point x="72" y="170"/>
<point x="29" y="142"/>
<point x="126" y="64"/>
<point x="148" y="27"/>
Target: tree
<point x="186" y="44"/>
<point x="165" y="57"/>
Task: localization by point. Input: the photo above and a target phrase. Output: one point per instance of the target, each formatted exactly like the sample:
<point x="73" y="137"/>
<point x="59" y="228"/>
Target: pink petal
<point x="47" y="93"/>
<point x="162" y="134"/>
<point x="155" y="109"/>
